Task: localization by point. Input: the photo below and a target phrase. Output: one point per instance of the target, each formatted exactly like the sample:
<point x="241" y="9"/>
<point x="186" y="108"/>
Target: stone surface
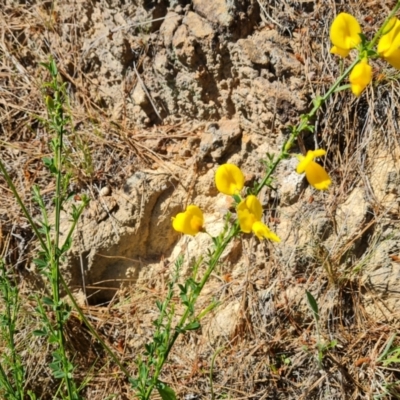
<point x="380" y="271"/>
<point x="197" y="25"/>
<point x="217" y="139"/>
<point x="292" y="183"/>
<point x="216" y="11"/>
<point x="223" y="323"/>
<point x="118" y="235"/>
<point x="351" y="215"/>
<point x="169" y="26"/>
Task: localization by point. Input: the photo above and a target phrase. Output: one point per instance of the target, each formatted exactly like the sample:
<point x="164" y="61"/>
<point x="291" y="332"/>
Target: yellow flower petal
<point x="339" y="51"/>
<point x="345" y="34"/>
<point x="263" y="232"/>
<point x="252" y="203"/>
<point x="394" y="59"/>
<point x="318" y="153"/>
<point x="317" y="176"/>
<point x="304" y="161"/>
<point x="254" y="206"/>
<point x="246" y="219"/>
<point x="360" y="77"/>
<point x="189" y="222"/>
<point x="249" y="211"/>
<point x="389" y="44"/>
<point x="229" y="179"/>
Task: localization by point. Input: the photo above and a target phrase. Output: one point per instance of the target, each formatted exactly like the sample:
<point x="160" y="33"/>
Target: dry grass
<point x="271" y="353"/>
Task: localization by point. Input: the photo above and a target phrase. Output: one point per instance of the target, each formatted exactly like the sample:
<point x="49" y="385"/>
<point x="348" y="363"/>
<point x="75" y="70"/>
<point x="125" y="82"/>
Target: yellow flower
<point x="315" y="174"/>
<point x="189" y="222"/>
<point x="229" y="179"/>
<point x="249" y="213"/>
<point x="360" y="77"/>
<point x="344" y="34"/>
<point x="389" y="44"/>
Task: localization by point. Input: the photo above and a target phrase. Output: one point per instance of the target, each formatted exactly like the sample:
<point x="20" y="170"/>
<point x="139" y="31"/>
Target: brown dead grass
<point x="271" y="354"/>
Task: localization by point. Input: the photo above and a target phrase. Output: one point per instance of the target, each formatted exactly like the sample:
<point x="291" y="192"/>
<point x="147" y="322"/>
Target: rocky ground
<point x="161" y="94"/>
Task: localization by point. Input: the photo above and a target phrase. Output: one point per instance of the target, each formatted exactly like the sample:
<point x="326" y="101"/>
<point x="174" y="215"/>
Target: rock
<point x="385" y="178"/>
<point x="381" y="273"/>
<point x="139" y="96"/>
<point x="223" y="323"/>
<point x="105" y="191"/>
<point x="256" y="54"/>
<point x="267" y="48"/>
<point x="118" y="233"/>
<point x="169" y="26"/>
<point x="180" y="37"/>
<point x="352" y="213"/>
<point x="218" y="137"/>
<point x="199" y="27"/>
<point x="291" y="184"/>
<point x="216" y="11"/>
<point x="183" y="45"/>
<point x="161" y="64"/>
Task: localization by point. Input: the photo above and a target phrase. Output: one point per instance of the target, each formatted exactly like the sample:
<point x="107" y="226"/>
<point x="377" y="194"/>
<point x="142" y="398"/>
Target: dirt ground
<point x="161" y="93"/>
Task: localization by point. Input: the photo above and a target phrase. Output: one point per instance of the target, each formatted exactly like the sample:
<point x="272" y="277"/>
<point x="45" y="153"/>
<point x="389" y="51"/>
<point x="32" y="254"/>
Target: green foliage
<point x="49" y="257"/>
<point x="390" y="354"/>
<point x="321" y="347"/>
<point x="12" y="372"/>
<point x="164" y="337"/>
<point x="313" y="305"/>
<point x="165" y="392"/>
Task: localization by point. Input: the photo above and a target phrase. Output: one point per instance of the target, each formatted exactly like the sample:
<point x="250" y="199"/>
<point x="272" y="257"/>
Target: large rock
<point x="118" y="235"/>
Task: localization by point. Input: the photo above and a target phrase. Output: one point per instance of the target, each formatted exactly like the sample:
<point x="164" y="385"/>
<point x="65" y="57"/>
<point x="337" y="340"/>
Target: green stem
<point x="303" y="124"/>
<point x="235" y="229"/>
<point x="212" y="371"/>
<point x="4" y="381"/>
<point x="11" y="305"/>
<point x="91" y="329"/>
<point x="23" y="208"/>
<point x="75" y="220"/>
<point x="56" y="114"/>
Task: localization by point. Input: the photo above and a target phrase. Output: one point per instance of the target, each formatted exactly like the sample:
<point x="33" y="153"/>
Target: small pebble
<point x="105" y="191"/>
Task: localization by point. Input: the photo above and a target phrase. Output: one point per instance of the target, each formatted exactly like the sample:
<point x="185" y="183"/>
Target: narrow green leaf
<point x="159" y="305"/>
<point x="182" y="288"/>
<point x="49" y="163"/>
<point x="387" y="348"/>
<point x="53" y="338"/>
<point x="166" y="392"/>
<point x="313" y="305"/>
<point x="40" y="263"/>
<point x="52" y="67"/>
<point x="66" y="246"/>
<point x="48" y="301"/>
<point x="237" y="198"/>
<point x="39" y="332"/>
<point x="192" y="326"/>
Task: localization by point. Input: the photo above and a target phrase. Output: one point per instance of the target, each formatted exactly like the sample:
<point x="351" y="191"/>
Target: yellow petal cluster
<point x="229" y="179"/>
<point x="345" y="34"/>
<point x="315" y="174"/>
<point x="249" y="213"/>
<point x="360" y="77"/>
<point x="389" y="44"/>
<point x="189" y="222"/>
